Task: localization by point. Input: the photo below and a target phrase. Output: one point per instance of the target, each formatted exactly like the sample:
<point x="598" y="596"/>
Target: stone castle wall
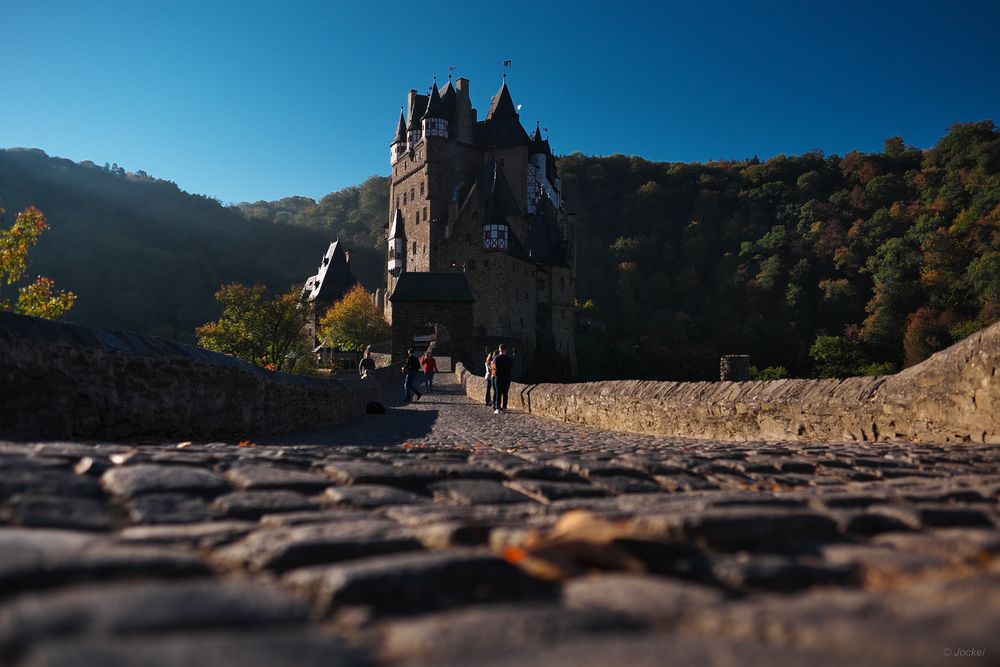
<point x="60" y="380"/>
<point x="954" y="396"/>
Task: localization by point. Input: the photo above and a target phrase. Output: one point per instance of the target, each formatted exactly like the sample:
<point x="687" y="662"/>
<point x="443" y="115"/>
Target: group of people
<point x="411" y="372"/>
<point x="499" y="367"/>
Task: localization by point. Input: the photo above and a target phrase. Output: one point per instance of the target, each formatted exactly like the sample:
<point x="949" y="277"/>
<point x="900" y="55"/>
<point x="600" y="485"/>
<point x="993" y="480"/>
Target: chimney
<point x="347" y="257"/>
<point x="409" y="104"/>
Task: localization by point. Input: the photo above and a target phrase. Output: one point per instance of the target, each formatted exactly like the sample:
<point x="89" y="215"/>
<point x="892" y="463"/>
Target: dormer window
<point x="436" y="127"/>
<point x="495" y="237"/>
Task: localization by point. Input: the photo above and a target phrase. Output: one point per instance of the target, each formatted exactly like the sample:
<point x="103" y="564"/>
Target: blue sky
<point x="259" y="100"/>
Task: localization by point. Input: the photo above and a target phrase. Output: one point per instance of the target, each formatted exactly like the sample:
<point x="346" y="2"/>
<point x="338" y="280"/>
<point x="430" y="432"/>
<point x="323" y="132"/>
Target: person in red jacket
<point x="430" y="368"/>
<point x="502" y="367"/>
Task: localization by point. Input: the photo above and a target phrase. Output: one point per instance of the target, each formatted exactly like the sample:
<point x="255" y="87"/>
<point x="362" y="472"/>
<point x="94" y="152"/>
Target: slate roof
<point x="503" y="104"/>
<point x="417" y="111"/>
<point x="500" y="201"/>
<point x="333" y="278"/>
<point x="545" y="243"/>
<point x="539" y="145"/>
<point x="397" y="229"/>
<point x="429" y="287"/>
<point x="449" y="98"/>
<point x="502" y="127"/>
<point x="400" y="130"/>
<point x="435" y="108"/>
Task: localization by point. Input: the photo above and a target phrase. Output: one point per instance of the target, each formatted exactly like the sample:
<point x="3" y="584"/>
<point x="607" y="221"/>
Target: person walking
<point x="367" y="366"/>
<point x="489" y="377"/>
<point x="410" y="370"/>
<point x="430" y="367"/>
<point x="503" y="366"/>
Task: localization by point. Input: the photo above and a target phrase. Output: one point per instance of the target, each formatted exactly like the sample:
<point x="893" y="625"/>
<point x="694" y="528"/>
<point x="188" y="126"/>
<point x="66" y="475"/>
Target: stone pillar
<point x="734" y="368"/>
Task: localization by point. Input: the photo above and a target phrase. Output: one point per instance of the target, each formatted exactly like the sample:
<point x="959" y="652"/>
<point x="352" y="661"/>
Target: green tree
<point x="255" y="327"/>
<point x="353" y="323"/>
<point x="40" y="297"/>
<point x="836" y="357"/>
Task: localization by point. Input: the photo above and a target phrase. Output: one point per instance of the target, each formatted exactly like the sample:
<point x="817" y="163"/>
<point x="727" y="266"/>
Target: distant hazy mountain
<point x="143" y="255"/>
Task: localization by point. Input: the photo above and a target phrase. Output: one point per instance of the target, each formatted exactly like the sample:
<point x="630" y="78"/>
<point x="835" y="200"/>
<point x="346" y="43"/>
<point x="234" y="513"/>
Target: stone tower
<point x="482" y="197"/>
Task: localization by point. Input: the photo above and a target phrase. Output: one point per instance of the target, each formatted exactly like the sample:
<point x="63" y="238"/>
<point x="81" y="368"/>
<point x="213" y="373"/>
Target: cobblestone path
<point x="442" y="534"/>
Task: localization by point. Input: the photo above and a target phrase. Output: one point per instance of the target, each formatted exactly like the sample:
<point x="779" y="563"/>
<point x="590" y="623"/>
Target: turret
<point x="397" y="245"/>
<point x="414" y="129"/>
<point x="398" y="146"/>
<point x="435" y="120"/>
<point x="496" y="231"/>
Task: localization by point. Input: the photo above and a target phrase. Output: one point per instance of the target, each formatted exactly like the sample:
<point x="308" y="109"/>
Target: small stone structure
<point x="954" y="396"/>
<point x="734" y="368"/>
<point x="61" y="380"/>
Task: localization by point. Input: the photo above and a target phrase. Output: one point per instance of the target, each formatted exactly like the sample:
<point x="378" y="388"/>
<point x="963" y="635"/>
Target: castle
<point x="479" y="242"/>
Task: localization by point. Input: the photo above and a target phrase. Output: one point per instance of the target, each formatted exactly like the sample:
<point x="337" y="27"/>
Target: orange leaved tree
<point x="39" y="298"/>
<point x="353" y="323"/>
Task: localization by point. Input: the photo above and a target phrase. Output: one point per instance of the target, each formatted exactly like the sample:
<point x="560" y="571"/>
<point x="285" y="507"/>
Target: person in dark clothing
<point x="430" y="367"/>
<point x="503" y="365"/>
<point x="367" y="366"/>
<point x="410" y="370"/>
<point x="489" y="377"/>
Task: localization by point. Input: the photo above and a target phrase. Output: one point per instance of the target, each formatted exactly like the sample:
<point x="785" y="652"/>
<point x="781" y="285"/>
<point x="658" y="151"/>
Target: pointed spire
<point x="396" y="230"/>
<point x="400" y="129"/>
<point x="435" y="109"/>
<point x="503" y="104"/>
<point x="538" y="145"/>
<point x="495" y="213"/>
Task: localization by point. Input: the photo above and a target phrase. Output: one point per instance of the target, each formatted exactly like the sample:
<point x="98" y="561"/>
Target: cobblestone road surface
<point x="442" y="534"/>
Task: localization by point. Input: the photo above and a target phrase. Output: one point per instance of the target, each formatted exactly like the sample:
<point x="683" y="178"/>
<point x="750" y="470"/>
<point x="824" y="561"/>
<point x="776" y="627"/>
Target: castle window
<point x="486" y="263"/>
<point x="416" y="217"/>
<point x="470" y="265"/>
<point x="562" y="282"/>
<point x="411" y="193"/>
<point x="495" y="237"/>
<point x="522" y="322"/>
<point x="414" y="247"/>
<point x="562" y="312"/>
<point x="421" y="188"/>
<point x="404" y="197"/>
<point x="475" y="215"/>
<point x="425" y="214"/>
<point x="541" y="284"/>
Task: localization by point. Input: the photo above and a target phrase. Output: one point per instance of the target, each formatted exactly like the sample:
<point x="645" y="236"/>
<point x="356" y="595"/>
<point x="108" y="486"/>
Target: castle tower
<point x="482" y="198"/>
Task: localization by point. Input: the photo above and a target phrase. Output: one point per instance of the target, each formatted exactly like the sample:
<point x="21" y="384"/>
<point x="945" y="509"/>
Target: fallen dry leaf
<point x="577" y="543"/>
<point x="247" y="443"/>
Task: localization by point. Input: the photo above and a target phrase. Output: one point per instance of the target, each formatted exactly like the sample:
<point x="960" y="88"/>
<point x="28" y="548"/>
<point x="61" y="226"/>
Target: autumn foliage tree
<point x="39" y="298"/>
<point x="256" y="327"/>
<point x="353" y="323"/>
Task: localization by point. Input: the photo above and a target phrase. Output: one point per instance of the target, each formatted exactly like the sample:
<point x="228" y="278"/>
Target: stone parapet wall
<point x="60" y="380"/>
<point x="954" y="396"/>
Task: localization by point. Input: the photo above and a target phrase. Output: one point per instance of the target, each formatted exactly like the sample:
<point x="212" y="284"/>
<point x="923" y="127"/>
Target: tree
<point x="254" y="326"/>
<point x="353" y="323"/>
<point x="836" y="357"/>
<point x="39" y="298"/>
